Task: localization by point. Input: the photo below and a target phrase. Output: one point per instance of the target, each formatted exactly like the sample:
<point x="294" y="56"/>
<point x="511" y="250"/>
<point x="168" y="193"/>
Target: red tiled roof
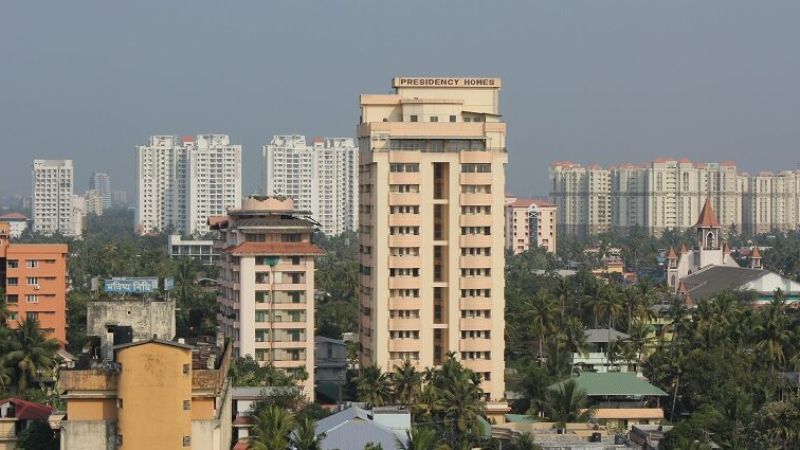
<point x="684" y="249"/>
<point x="187" y="139"/>
<point x="241" y="445"/>
<point x="216" y="220"/>
<point x="275" y="248"/>
<point x="708" y="219"/>
<point x="671" y="254"/>
<point x="756" y="253"/>
<point x="26" y="410"/>
<point x="13" y="216"/>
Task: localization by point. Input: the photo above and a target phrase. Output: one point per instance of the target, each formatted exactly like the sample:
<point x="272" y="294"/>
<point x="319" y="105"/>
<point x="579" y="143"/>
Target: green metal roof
<point x="520" y="418"/>
<point x="613" y="384"/>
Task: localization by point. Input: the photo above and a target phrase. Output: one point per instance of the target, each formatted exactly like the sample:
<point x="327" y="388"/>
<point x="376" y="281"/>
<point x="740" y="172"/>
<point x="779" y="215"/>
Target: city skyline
<point x="703" y="85"/>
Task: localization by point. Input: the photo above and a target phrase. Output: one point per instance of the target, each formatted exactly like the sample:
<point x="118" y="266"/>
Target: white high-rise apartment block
<point x="183" y="181"/>
<point x="53" y="181"/>
<point x="772" y="202"/>
<point x="321" y="178"/>
<point x="101" y="183"/>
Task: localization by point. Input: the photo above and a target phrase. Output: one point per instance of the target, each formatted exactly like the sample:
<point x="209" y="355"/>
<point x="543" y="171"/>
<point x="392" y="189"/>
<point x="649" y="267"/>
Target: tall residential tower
<point x="184" y="181"/>
<point x="320" y="178"/>
<point x="53" y="182"/>
<point x="431" y="181"/>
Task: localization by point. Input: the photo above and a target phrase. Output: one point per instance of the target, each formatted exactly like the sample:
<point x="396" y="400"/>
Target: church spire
<point x="708" y="218"/>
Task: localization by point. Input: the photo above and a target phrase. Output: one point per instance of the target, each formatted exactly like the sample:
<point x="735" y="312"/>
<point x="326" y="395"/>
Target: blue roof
<point x="353" y="429"/>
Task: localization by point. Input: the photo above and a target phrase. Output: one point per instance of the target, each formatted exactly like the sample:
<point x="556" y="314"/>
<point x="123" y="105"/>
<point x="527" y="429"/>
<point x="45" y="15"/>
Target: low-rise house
<point x="330" y="367"/>
<point x="760" y="284"/>
<point x="155" y="394"/>
<point x="621" y="400"/>
<point x="599" y="353"/>
<point x="355" y="427"/>
<point x="16" y="415"/>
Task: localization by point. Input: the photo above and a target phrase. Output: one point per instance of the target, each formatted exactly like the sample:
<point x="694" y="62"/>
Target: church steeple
<point x="708" y="228"/>
<point x="755" y="259"/>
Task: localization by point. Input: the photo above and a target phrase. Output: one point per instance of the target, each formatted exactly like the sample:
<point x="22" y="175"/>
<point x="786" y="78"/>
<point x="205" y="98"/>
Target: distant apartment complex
<point x="530" y="223"/>
<point x="320" y="178"/>
<point x="34" y="278"/>
<point x="52" y="204"/>
<point x="266" y="284"/>
<point x="668" y="194"/>
<point x="17" y="222"/>
<point x="184" y="181"/>
<point x="432" y="182"/>
<point x="201" y="250"/>
<point x="100" y="182"/>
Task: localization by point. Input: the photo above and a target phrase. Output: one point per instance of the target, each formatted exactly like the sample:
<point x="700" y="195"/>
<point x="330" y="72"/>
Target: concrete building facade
<point x="201" y="250"/>
<point x="184" y="181"/>
<point x="266" y="285"/>
<point x="530" y="223"/>
<point x="34" y="277"/>
<point x="51" y="205"/>
<point x="432" y="191"/>
<point x="321" y="178"/>
<point x="147" y="319"/>
<point x="100" y="182"/>
<point x="772" y="202"/>
<point x="152" y="396"/>
<point x="17" y="223"/>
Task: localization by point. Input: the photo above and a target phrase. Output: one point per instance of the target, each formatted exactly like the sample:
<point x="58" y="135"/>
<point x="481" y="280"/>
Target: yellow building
<point x="151" y="397"/>
<point x="432" y="183"/>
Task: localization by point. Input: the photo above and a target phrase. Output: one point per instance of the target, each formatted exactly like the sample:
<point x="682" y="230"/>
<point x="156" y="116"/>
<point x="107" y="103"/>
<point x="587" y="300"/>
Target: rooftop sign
<point x="468" y="82"/>
<point x="135" y="285"/>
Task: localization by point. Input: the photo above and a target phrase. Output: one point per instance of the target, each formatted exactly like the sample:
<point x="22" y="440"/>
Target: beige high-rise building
<point x="432" y="178"/>
<point x="665" y="194"/>
<point x="266" y="284"/>
<point x="530" y="223"/>
<point x="772" y="202"/>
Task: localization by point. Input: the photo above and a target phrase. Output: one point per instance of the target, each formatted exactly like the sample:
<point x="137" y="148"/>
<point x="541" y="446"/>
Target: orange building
<point x="34" y="277"/>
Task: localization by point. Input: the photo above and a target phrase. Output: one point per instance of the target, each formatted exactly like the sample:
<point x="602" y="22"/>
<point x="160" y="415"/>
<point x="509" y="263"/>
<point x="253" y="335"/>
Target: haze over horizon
<point x="592" y="82"/>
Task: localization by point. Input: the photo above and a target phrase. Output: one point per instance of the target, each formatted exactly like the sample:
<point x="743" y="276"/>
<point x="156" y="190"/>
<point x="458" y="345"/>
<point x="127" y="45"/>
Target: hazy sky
<point x="591" y="81"/>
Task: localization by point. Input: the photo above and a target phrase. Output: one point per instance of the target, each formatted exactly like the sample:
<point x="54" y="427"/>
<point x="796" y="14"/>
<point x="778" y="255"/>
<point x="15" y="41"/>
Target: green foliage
<point x="272" y="429"/>
<point x="38" y="436"/>
<point x="524" y="441"/>
<point x="373" y="446"/>
<point x="246" y="371"/>
<point x="421" y="438"/>
<point x="568" y="403"/>
<point x="336" y="278"/>
<point x="28" y="355"/>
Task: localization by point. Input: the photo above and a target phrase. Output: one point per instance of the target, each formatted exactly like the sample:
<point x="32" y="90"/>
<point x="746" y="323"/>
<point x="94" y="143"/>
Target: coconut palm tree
<point x="373" y="387"/>
<point x="32" y="354"/>
<point x="541" y="311"/>
<point x="421" y="438"/>
<point x="773" y="333"/>
<point x="462" y="405"/>
<point x="568" y="403"/>
<point x="305" y="436"/>
<point x="406" y="383"/>
<point x="524" y="441"/>
<point x="272" y="429"/>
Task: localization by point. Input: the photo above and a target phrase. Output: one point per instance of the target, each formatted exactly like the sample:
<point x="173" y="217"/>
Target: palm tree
<point x="541" y="310"/>
<point x="429" y="402"/>
<point x="462" y="405"/>
<point x="640" y="337"/>
<point x="524" y="441"/>
<point x="406" y="383"/>
<point x="568" y="403"/>
<point x="772" y="332"/>
<point x="305" y="436"/>
<point x="272" y="429"/>
<point x="32" y="354"/>
<point x="373" y="387"/>
<point x="420" y="438"/>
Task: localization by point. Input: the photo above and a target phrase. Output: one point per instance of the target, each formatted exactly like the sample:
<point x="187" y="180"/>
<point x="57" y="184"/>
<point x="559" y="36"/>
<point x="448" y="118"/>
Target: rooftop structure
<point x="201" y="250"/>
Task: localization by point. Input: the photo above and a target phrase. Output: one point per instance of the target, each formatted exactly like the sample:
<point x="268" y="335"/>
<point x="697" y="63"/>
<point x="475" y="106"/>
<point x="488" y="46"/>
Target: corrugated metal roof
<point x="613" y="384"/>
<point x="353" y="428"/>
<point x="716" y="279"/>
<point x="604" y="335"/>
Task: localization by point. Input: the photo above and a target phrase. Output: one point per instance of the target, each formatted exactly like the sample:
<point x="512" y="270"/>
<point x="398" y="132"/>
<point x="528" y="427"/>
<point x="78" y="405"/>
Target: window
<point x="119" y="440"/>
<point x="33" y="281"/>
<point x="476" y="168"/>
<point x="31" y="298"/>
<point x="12" y="263"/>
<point x="12" y="298"/>
<point x="12" y="281"/>
<point x="434" y="118"/>
<point x="187" y="405"/>
<point x="119" y="403"/>
<point x="186" y="369"/>
<point x="295" y="260"/>
<point x="32" y="316"/>
<point x="452" y="118"/>
<point x="32" y="264"/>
<point x="414" y="118"/>
<point x="187" y="441"/>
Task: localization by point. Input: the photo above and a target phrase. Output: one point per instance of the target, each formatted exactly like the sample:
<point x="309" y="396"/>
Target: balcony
<point x="482" y="303"/>
<point x="476" y="178"/>
<point x="404" y="220"/>
<point x="475" y="282"/>
<point x="404" y="240"/>
<point x="477" y="365"/>
<point x="476" y="240"/>
<point x="475" y="262"/>
<point x="404" y="282"/>
<point x="405" y="324"/>
<point x="405" y="345"/>
<point x="404" y="178"/>
<point x="475" y="345"/>
<point x="399" y="199"/>
<point x="401" y="262"/>
<point x="475" y="220"/>
<point x="476" y="323"/>
<point x="404" y="303"/>
<point x="477" y="199"/>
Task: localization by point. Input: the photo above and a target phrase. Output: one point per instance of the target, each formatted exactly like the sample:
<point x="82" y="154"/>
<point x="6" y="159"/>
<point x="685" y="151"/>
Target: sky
<point x="588" y="81"/>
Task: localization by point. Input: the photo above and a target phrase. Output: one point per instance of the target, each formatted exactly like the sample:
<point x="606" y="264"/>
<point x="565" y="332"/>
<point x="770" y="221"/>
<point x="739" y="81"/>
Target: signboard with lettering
<point x="169" y="283"/>
<point x="131" y="285"/>
<point x="468" y="82"/>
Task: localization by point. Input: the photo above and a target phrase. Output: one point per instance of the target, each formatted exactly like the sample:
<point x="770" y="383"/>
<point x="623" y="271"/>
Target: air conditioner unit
<point x="36" y="287"/>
